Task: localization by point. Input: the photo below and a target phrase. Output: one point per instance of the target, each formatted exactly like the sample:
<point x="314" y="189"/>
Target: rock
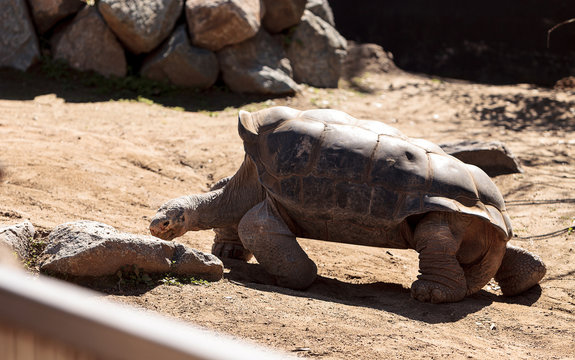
<point x="46" y="13"/>
<point x="362" y="58"/>
<point x="93" y="249"/>
<point x="17" y="237"/>
<point x="321" y="9"/>
<point x="257" y="66"/>
<point x="214" y="24"/>
<point x="141" y="24"/>
<point x="88" y="44"/>
<point x="188" y="261"/>
<point x="19" y="47"/>
<point x="316" y="52"/>
<point x="181" y="64"/>
<point x="492" y="157"/>
<point x="282" y="14"/>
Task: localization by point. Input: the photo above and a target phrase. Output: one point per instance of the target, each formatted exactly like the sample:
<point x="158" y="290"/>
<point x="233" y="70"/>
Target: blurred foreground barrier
<point x="43" y="318"/>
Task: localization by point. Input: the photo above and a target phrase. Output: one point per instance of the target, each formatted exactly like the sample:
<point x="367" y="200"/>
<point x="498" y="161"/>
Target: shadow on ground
<point x="83" y="87"/>
<point x="384" y="296"/>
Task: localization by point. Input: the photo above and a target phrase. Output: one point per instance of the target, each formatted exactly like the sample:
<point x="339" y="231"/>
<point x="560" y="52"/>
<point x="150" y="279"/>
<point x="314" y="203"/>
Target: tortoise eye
<point x="166" y="223"/>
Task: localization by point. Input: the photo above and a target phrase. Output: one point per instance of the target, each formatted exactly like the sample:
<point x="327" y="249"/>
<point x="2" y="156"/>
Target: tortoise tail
<point x="519" y="271"/>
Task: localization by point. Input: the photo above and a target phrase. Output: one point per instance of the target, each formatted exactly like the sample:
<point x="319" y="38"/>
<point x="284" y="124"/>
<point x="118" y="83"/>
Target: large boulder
<point x="18" y="238"/>
<point x="257" y="66"/>
<point x="322" y="9"/>
<point x="92" y="249"/>
<point x="178" y="62"/>
<point x="141" y="24"/>
<point x="46" y="13"/>
<point x="316" y="51"/>
<point x="88" y="44"/>
<point x="282" y="14"/>
<point x="214" y="24"/>
<point x="19" y="47"/>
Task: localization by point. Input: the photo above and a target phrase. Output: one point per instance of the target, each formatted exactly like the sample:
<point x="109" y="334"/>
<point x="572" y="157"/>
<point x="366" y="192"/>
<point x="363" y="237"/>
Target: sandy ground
<point x="73" y="155"/>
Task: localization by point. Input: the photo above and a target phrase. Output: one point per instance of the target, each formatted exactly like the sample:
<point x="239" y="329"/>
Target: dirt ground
<point x="72" y="153"/>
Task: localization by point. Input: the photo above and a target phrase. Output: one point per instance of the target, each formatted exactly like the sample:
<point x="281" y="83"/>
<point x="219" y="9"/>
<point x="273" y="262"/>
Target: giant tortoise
<point x="322" y="174"/>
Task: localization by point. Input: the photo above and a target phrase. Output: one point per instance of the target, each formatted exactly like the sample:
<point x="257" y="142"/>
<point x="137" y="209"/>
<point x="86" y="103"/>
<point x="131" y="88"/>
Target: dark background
<point x="489" y="41"/>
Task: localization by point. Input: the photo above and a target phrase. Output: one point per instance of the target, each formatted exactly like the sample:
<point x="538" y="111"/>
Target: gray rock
<point x="492" y="157"/>
<point x="178" y="62"/>
<point x="93" y="249"/>
<point x="257" y="66"/>
<point x="19" y="47"/>
<point x="141" y="24"/>
<point x="282" y="14"/>
<point x="88" y="44"/>
<point x="322" y="9"/>
<point x="46" y="13"/>
<point x="316" y="52"/>
<point x="18" y="237"/>
<point x="214" y="24"/>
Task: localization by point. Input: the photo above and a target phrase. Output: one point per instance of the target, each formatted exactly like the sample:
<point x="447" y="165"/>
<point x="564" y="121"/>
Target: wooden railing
<point x="44" y="319"/>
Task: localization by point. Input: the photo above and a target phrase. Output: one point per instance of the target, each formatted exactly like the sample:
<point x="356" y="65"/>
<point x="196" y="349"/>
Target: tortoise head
<point x="172" y="219"/>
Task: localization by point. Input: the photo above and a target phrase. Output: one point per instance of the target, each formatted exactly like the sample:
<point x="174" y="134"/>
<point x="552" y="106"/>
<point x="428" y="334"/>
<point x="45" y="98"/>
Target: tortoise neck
<point x="226" y="206"/>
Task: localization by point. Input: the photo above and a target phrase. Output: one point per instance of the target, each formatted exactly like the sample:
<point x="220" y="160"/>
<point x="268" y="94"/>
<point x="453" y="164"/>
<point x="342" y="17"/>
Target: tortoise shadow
<point x="389" y="297"/>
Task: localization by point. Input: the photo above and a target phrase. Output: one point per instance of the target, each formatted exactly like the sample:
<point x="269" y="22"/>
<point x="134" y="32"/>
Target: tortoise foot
<point x="520" y="270"/>
<point x="224" y="250"/>
<point x="429" y="291"/>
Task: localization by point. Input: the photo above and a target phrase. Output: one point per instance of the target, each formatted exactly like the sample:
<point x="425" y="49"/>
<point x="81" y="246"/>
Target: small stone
<point x="492" y="157"/>
<point x="18" y="237"/>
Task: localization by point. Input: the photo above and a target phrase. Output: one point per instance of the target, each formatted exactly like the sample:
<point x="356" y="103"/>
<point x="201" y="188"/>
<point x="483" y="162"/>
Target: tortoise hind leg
<point x="520" y="270"/>
<point x="441" y="277"/>
<point x="275" y="247"/>
<point x="481" y="253"/>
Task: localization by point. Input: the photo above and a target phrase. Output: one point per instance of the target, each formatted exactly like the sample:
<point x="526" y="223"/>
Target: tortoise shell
<point x="335" y="166"/>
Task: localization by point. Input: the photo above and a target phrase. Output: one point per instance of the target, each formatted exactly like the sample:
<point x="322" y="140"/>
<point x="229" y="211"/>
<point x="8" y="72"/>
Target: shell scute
<point x="399" y="166"/>
<point x="345" y="152"/>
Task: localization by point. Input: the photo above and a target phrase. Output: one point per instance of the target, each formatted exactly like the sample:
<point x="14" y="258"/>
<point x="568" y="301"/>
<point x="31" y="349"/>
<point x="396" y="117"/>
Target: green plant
<point x="171" y="280"/>
<point x="35" y="248"/>
<point x="132" y="275"/>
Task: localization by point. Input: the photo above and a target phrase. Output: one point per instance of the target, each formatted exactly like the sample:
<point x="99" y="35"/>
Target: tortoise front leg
<point x="275" y="247"/>
<point x="227" y="244"/>
<point x="441" y="277"/>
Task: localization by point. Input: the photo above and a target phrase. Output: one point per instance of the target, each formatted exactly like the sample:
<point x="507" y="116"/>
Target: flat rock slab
<point x="178" y="62"/>
<point x="141" y="24"/>
<point x="93" y="249"/>
<point x="18" y="237"/>
<point x="492" y="157"/>
<point x="19" y="47"/>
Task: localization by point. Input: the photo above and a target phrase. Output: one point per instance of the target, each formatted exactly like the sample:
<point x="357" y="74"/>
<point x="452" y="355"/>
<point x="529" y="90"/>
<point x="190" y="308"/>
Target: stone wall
<point x="255" y="46"/>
